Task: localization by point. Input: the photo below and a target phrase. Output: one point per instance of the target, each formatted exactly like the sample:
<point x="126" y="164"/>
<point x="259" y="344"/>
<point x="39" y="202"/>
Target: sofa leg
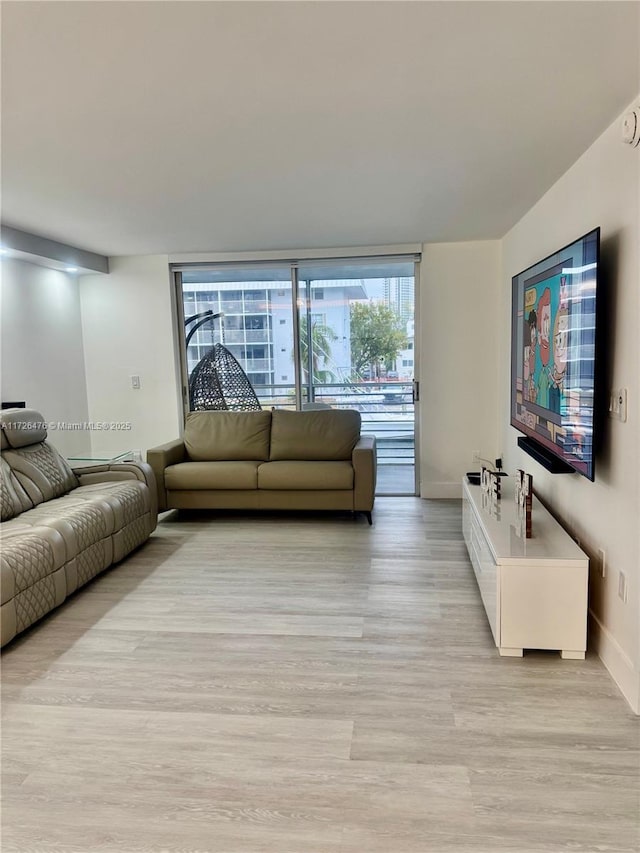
<point x="368" y="514"/>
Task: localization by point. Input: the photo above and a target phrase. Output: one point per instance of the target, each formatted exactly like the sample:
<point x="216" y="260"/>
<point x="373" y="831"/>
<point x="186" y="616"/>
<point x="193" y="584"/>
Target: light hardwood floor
<point x="306" y="684"/>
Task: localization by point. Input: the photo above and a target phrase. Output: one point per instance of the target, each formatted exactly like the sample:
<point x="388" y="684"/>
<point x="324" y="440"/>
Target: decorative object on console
<point x="524" y="500"/>
<point x="475" y="478"/>
<point x="490" y="482"/>
<point x="491" y="491"/>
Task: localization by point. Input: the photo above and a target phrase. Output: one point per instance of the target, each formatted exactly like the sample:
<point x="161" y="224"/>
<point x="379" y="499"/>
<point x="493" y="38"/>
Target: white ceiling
<point x="152" y="127"/>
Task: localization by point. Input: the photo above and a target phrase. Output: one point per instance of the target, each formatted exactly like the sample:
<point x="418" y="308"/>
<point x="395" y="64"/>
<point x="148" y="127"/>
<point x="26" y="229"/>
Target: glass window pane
<point x="248" y="310"/>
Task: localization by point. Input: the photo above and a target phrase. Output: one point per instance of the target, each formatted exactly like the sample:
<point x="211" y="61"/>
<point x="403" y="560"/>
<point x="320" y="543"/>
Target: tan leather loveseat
<point x="279" y="459"/>
<point x="60" y="527"/>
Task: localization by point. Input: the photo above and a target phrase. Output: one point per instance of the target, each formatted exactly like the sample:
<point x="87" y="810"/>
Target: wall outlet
<point x="622" y="586"/>
<point x="618" y="404"/>
<point x="602" y="562"/>
<point x="135" y="382"/>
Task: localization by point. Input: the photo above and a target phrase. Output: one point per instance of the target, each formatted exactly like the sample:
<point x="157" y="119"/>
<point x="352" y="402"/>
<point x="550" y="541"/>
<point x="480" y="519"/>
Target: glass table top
<point x="102" y="458"/>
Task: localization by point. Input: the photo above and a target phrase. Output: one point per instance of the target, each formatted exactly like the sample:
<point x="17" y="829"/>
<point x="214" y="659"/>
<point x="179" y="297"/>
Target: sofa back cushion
<point x="13" y="498"/>
<point x="218" y="436"/>
<point x="321" y="435"/>
<point x="41" y="471"/>
<point x="37" y="466"/>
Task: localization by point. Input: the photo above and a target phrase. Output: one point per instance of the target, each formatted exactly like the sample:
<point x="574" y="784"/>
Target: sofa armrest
<point x="117" y="471"/>
<point x="110" y="471"/>
<point x="160" y="458"/>
<point x="364" y="461"/>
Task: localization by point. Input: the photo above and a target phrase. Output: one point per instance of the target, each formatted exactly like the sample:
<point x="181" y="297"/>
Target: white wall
<point x="458" y="336"/>
<point x="602" y="188"/>
<point x="128" y="330"/>
<point x="42" y="353"/>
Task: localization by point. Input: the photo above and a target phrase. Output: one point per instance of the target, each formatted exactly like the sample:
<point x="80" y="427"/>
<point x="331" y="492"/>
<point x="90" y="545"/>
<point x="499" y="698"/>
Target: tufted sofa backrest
<point x="34" y="465"/>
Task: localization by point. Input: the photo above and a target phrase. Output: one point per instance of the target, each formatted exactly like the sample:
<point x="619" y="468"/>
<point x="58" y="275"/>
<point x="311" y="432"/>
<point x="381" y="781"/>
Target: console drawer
<point x="484" y="567"/>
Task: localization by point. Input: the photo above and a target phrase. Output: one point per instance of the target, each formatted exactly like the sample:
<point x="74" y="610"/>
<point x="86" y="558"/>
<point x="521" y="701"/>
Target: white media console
<point x="534" y="590"/>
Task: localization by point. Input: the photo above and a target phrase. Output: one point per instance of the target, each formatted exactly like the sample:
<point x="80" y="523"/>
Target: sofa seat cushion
<point x="227" y="436"/>
<point x="128" y="499"/>
<point x="211" y="475"/>
<point x="28" y="554"/>
<point x="80" y="522"/>
<point x="314" y="435"/>
<point x="305" y="476"/>
<point x="32" y="577"/>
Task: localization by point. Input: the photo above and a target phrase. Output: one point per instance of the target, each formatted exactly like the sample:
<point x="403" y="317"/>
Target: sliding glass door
<point x="300" y="335"/>
<point x="357" y="352"/>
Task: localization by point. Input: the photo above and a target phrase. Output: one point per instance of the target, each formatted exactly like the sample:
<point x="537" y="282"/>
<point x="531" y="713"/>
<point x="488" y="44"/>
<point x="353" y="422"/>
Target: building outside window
<point x="256" y="330"/>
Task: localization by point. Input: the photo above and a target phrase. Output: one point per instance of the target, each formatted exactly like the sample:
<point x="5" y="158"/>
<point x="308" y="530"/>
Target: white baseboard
<point x="616" y="661"/>
<point x="441" y="491"/>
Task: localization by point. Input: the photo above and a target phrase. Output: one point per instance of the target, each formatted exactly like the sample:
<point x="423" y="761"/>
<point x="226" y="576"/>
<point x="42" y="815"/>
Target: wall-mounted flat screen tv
<point x="553" y="356"/>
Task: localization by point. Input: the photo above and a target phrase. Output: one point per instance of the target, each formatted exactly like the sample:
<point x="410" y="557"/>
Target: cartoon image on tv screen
<point x="545" y="350"/>
<point x="553" y="356"/>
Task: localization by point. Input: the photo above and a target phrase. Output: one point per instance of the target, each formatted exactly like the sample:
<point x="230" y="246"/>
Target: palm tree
<point x="322" y="337"/>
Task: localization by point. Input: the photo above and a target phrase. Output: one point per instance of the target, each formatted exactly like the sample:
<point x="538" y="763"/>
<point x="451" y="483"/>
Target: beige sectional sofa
<point x="276" y="459"/>
<point x="60" y="528"/>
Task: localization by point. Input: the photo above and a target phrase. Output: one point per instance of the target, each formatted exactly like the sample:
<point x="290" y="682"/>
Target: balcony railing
<point x="386" y="408"/>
